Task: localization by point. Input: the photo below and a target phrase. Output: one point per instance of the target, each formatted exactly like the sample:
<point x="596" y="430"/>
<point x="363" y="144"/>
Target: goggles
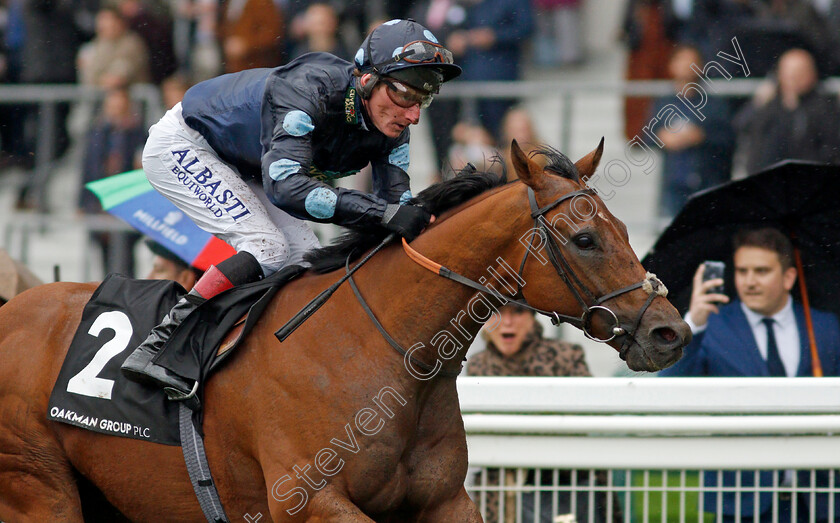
<point x="406" y="96"/>
<point x="418" y="52"/>
<point x="421" y="52"/>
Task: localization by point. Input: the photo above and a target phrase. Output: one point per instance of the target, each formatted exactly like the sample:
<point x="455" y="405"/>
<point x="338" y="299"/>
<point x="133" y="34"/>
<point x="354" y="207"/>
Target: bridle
<point x="587" y="300"/>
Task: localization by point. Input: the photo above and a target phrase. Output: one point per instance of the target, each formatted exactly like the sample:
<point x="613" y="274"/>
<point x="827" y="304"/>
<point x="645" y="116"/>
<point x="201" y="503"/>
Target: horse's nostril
<point x="666" y="334"/>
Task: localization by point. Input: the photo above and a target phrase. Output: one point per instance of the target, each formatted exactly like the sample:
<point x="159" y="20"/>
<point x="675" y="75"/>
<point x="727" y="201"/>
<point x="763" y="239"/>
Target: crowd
<point x="118" y="43"/>
<point x="114" y="44"/>
<point x="792" y="44"/>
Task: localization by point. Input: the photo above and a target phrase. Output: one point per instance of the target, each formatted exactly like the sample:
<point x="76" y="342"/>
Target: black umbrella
<point x="802" y="199"/>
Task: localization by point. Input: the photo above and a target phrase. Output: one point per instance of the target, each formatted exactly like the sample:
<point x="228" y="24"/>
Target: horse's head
<point x="578" y="264"/>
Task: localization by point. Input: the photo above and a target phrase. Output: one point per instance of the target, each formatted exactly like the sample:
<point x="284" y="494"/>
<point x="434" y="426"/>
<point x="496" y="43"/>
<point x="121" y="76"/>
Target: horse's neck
<point x="416" y="306"/>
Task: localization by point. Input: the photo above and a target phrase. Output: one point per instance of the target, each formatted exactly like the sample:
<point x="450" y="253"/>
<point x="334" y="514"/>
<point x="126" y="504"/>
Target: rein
<point x="650" y="284"/>
<point x="391" y="341"/>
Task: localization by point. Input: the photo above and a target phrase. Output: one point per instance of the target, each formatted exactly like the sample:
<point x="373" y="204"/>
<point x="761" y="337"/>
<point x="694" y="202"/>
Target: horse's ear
<point x="586" y="166"/>
<point x="528" y="170"/>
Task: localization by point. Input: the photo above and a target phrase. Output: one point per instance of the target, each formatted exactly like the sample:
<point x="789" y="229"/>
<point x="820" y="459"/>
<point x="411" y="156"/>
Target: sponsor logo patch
<point x="209" y="189"/>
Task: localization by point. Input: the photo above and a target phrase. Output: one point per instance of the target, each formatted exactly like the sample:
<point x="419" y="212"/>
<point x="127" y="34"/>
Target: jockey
<point x="246" y="156"/>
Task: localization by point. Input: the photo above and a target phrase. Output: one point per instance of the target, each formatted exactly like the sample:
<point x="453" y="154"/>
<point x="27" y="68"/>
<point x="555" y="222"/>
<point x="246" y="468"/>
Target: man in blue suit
<point x="762" y="333"/>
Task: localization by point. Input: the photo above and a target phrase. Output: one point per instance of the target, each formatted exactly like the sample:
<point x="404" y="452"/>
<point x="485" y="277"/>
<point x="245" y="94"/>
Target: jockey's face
<point x="390" y="118"/>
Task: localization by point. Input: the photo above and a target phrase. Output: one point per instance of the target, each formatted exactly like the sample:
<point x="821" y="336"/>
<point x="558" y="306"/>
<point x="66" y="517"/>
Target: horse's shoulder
<point x="54" y="297"/>
<point x="309" y="281"/>
<point x="65" y="291"/>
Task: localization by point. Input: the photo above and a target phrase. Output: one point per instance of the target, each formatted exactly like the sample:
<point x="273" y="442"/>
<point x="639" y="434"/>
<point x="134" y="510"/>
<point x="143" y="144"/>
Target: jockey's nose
<point x="413" y="113"/>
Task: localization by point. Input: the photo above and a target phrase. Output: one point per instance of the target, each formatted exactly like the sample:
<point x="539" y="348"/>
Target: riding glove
<point x="406" y="220"/>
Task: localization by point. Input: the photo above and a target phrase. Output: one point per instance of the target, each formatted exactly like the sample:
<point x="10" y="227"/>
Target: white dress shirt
<point x="786" y="332"/>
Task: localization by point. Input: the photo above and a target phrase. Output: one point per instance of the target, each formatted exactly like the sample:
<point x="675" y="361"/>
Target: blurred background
<point x="82" y="80"/>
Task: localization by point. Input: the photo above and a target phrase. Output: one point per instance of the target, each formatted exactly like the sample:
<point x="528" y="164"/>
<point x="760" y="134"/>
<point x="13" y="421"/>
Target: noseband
<point x="588" y="302"/>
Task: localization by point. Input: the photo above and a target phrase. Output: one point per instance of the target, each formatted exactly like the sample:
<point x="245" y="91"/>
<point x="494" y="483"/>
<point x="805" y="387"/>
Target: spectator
<point x="167" y="265"/>
<point x="196" y="40"/>
<point x="558" y="41"/>
<point x="487" y="37"/>
<point x="791" y="119"/>
<point x="518" y="125"/>
<point x="251" y="34"/>
<point x="763" y="333"/>
<point x="489" y="45"/>
<point x="813" y="27"/>
<point x="114" y="145"/>
<point x="14" y="278"/>
<point x="51" y="41"/>
<point x="156" y="31"/>
<point x="472" y="145"/>
<point x="12" y="116"/>
<point x="320" y="33"/>
<point x="706" y="25"/>
<point x="116" y="56"/>
<point x="516" y="347"/>
<point x="173" y="89"/>
<point x="649" y="41"/>
<point x="697" y="152"/>
<point x="441" y="17"/>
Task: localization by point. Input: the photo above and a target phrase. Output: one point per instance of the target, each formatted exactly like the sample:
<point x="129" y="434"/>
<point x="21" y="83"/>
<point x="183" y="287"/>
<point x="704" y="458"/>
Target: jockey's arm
<point x="390" y="180"/>
<point x="308" y="199"/>
<point x="285" y="169"/>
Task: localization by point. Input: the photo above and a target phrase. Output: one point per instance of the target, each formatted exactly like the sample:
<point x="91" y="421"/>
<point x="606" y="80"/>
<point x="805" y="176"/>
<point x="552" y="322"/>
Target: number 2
<point x="86" y="382"/>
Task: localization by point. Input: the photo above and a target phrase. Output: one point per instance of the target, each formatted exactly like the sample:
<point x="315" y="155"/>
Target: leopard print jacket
<point x="538" y="357"/>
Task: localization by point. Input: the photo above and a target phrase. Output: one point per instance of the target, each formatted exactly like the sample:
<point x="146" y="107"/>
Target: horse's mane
<point x="436" y="199"/>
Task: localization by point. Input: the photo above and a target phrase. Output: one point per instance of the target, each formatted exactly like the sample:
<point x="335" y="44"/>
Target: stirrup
<point x="190" y="400"/>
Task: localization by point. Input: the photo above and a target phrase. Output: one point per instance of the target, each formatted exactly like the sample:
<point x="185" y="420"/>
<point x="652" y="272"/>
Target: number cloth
<point x="90" y="391"/>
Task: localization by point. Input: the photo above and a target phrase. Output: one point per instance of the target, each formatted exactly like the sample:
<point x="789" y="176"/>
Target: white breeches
<point x="182" y="166"/>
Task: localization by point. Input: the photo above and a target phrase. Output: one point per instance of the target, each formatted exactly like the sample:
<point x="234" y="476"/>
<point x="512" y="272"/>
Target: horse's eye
<point x="584" y="241"/>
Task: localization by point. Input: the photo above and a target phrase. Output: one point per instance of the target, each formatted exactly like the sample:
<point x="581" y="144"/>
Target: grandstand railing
<point x="46" y="98"/>
<point x="652" y="437"/>
<point x="567" y="91"/>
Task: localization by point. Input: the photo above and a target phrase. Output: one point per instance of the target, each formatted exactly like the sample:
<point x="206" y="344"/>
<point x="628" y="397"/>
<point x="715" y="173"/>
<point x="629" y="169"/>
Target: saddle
<point x="211" y="332"/>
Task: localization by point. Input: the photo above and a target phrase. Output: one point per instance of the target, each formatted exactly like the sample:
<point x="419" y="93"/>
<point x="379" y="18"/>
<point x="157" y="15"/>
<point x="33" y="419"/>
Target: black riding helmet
<point x="408" y="52"/>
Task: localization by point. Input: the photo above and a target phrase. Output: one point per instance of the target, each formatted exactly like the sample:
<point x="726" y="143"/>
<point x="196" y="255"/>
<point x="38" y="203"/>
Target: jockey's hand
<point x="406" y="220"/>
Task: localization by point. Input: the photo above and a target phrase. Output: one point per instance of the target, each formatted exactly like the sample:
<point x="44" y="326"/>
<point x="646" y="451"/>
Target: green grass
<point x="654" y="498"/>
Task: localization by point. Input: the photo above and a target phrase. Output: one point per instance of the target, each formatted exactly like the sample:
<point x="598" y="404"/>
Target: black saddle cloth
<point x="92" y="393"/>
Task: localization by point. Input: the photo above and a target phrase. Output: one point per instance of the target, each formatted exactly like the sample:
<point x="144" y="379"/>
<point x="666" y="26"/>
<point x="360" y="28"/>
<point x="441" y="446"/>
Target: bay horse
<point x="333" y="424"/>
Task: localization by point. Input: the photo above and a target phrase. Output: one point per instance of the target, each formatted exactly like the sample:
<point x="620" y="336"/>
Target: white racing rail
<point x="631" y="426"/>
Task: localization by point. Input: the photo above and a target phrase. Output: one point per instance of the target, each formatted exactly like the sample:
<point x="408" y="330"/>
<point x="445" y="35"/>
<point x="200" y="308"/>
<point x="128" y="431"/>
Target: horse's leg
<point x="36" y="479"/>
<point x="459" y="509"/>
<point x="328" y="506"/>
<point x="36" y="484"/>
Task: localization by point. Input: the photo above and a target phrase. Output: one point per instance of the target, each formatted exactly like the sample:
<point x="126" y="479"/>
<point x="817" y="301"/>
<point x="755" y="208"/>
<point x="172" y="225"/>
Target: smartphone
<point x="713" y="270"/>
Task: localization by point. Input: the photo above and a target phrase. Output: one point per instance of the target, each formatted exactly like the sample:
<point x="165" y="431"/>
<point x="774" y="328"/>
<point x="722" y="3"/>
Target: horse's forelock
<point x="558" y="163"/>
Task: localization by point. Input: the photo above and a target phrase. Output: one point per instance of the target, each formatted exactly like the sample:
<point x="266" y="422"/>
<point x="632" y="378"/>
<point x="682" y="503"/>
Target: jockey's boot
<point x="239" y="269"/>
